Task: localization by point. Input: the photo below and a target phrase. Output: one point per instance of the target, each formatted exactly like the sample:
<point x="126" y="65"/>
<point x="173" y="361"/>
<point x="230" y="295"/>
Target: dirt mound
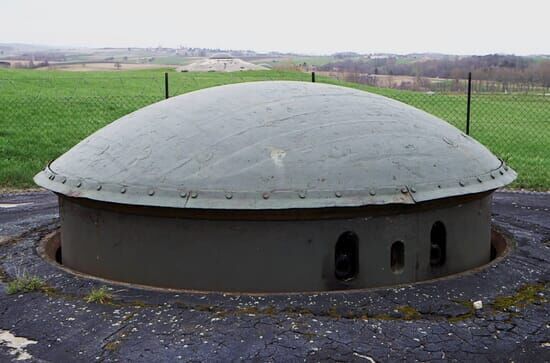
<point x="220" y="65"/>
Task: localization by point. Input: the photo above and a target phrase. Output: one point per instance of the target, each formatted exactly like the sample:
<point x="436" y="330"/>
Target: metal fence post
<point x="468" y="103"/>
<point x="166" y="93"/>
<point x="313" y="77"/>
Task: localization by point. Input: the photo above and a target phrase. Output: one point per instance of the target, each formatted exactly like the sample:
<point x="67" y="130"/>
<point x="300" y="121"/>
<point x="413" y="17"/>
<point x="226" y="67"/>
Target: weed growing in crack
<point x="100" y="295"/>
<point x="24" y="283"/>
<point x="527" y="294"/>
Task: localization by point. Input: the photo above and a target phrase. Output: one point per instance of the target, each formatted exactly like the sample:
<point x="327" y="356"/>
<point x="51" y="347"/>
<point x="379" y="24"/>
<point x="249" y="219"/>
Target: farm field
<point x="101" y="66"/>
<point x="44" y="113"/>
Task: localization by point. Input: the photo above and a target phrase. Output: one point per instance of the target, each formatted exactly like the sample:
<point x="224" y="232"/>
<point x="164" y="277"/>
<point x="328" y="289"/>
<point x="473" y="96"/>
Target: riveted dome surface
<point x="275" y="145"/>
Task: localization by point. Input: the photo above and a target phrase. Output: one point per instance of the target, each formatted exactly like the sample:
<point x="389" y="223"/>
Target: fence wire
<point x="41" y="118"/>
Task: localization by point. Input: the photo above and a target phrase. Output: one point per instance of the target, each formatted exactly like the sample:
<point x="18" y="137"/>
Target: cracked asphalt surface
<point x="428" y="321"/>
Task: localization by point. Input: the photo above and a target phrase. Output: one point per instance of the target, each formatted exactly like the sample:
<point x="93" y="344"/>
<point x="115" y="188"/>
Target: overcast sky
<point x="315" y="27"/>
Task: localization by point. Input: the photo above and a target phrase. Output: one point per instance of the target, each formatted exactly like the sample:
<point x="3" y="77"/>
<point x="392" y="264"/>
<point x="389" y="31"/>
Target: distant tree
<point x="389" y="81"/>
<point x="118" y="65"/>
<point x="544" y="74"/>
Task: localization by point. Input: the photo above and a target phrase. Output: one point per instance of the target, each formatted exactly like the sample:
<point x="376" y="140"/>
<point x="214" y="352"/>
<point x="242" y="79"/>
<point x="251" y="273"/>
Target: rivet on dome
<point x="123" y="190"/>
<point x="265" y="195"/>
<point x="228" y="195"/>
<point x="151" y="192"/>
<point x="194" y="195"/>
<point x="338" y="194"/>
<point x="98" y="187"/>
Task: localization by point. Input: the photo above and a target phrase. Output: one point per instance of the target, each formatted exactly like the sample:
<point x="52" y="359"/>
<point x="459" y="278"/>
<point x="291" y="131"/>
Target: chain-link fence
<point x="516" y="127"/>
<point x="42" y="117"/>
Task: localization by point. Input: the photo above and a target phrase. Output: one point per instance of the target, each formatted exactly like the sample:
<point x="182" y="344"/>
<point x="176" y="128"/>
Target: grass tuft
<point x="24" y="283"/>
<point x="100" y="295"/>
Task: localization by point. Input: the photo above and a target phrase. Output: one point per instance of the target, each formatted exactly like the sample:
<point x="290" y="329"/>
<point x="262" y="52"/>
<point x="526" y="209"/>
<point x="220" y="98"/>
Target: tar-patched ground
<point x="429" y="321"/>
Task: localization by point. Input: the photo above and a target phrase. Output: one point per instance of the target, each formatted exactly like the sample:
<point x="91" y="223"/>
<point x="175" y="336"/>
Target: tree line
<point x="495" y="70"/>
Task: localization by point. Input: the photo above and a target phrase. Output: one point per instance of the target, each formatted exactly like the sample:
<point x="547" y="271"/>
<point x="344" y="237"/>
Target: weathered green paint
<point x="275" y="145"/>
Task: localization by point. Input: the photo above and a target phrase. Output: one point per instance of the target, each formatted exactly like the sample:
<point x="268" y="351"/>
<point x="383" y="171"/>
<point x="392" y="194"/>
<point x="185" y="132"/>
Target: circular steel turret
<point x="275" y="186"/>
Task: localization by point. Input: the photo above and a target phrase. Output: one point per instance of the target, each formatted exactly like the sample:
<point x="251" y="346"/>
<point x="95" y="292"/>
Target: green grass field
<point x="44" y="113"/>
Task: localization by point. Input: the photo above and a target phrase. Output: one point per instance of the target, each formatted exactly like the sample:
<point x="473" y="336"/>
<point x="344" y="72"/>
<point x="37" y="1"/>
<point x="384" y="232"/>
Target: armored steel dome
<point x="275" y="145"/>
<point x="275" y="186"/>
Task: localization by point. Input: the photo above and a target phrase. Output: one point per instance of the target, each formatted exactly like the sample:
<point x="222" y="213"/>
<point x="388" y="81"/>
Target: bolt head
<point x="78" y="185"/>
<point x="151" y="192"/>
<point x="404" y="190"/>
<point x="338" y="194"/>
<point x="372" y="192"/>
<point x="228" y="195"/>
<point x="461" y="183"/>
<point x="302" y="195"/>
<point x="99" y="187"/>
<point x="265" y="195"/>
<point x="194" y="195"/>
<point x="123" y="190"/>
<point x="183" y="194"/>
